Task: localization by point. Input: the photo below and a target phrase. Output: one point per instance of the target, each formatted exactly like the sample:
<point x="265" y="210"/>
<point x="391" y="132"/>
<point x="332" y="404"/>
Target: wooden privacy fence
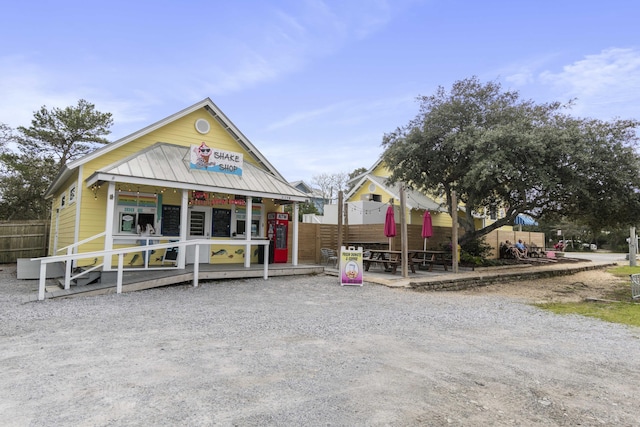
<point x="313" y="237"/>
<point x="500" y="236"/>
<point x="23" y="239"/>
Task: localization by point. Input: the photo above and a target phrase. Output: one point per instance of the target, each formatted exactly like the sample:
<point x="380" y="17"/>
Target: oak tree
<point x="496" y="150"/>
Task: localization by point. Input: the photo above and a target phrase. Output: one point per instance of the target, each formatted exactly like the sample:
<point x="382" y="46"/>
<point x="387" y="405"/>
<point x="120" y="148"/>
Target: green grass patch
<point x="624" y="271"/>
<point x="620" y="307"/>
<point x="625" y="313"/>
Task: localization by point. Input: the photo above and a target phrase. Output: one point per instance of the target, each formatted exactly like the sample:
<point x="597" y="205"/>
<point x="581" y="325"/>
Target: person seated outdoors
<point x="505" y="250"/>
<point x="509" y="250"/>
<point x="522" y="248"/>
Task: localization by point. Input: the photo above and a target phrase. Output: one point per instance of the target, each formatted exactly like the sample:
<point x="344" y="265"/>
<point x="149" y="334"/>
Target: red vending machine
<point x="278" y="233"/>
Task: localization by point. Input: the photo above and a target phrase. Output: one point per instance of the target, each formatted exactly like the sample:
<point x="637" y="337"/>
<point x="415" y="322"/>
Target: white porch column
<point x="184" y="224"/>
<point x="247" y="231"/>
<point x="108" y="227"/>
<point x="294" y="254"/>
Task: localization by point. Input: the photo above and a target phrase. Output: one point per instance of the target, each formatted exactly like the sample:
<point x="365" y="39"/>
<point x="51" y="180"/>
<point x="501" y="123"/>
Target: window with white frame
<point x="72" y="193"/>
<point x="240" y="220"/>
<point x="135" y="210"/>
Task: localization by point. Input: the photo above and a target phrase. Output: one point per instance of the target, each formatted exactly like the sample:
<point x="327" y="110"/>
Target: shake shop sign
<point x="213" y="160"/>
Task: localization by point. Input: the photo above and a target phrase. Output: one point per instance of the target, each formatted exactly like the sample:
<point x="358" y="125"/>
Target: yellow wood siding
<point x="93" y="211"/>
<point x="55" y="204"/>
<point x="180" y="132"/>
<point x="365" y="190"/>
<point x="381" y="170"/>
<point x="64" y="217"/>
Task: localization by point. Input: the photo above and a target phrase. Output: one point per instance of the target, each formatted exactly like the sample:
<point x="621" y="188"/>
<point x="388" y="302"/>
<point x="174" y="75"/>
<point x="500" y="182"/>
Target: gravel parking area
<point x="305" y="351"/>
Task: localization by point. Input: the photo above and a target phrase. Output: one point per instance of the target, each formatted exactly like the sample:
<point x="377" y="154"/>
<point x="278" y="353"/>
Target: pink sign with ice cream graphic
<point x="351" y="272"/>
<point x="210" y="159"/>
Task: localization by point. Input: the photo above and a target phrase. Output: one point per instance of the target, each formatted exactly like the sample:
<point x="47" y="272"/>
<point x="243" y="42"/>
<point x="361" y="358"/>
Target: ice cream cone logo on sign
<point x="203" y="153"/>
<point x="215" y="160"/>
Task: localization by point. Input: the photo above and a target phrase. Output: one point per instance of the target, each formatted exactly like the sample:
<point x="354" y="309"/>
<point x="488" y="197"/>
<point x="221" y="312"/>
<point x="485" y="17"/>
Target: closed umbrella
<point x="427" y="227"/>
<point x="390" y="224"/>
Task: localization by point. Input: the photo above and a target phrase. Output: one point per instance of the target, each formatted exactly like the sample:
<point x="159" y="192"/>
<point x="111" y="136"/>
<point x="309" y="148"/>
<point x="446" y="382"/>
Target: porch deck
<point x="148" y="279"/>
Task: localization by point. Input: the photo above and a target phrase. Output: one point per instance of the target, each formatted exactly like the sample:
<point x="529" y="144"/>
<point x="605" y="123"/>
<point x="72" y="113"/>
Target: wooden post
<point x="119" y="273"/>
<point x="248" y="219"/>
<point x="318" y="246"/>
<point x="633" y="250"/>
<point x="404" y="244"/>
<point x="346" y="222"/>
<point x="454" y="232"/>
<point x="339" y="222"/>
<point x="43" y="280"/>
<point x="196" y="264"/>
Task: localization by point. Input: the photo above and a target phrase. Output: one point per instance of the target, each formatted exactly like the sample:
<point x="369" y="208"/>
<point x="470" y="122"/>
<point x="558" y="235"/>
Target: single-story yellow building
<point x="192" y="175"/>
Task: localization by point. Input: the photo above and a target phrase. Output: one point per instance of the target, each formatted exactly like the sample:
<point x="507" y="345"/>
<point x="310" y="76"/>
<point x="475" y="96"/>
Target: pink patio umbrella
<point x="390" y="225"/>
<point x="427" y="227"/>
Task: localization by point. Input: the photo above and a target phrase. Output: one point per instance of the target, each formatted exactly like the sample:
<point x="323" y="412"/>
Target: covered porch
<point x="157" y="196"/>
<point x="146" y="212"/>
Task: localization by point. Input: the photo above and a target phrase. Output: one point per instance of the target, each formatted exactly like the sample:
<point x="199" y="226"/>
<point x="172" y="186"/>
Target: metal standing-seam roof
<point x="167" y="165"/>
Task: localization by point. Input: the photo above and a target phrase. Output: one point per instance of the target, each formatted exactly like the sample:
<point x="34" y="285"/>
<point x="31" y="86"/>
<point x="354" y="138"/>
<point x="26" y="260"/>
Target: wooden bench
<point x="390" y="264"/>
<point x="420" y="262"/>
<point x="536" y="251"/>
<point x="429" y="259"/>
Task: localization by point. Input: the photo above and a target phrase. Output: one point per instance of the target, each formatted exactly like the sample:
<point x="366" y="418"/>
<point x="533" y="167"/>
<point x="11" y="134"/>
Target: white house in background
<point x="369" y="197"/>
<point x="315" y="196"/>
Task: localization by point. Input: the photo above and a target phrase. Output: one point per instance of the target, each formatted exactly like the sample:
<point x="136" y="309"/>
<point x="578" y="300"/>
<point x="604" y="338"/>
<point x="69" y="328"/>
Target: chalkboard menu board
<point x="170" y="255"/>
<point x="170" y="220"/>
<point x="221" y="223"/>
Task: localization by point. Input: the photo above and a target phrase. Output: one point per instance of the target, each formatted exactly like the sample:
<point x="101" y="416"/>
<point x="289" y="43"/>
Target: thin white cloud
<point x="26" y="87"/>
<point x="24" y="90"/>
<point x="595" y="74"/>
<point x="526" y="72"/>
<point x="286" y="42"/>
<point x="304" y="116"/>
<point x="301" y="161"/>
<point x="605" y="85"/>
<point x="349" y="113"/>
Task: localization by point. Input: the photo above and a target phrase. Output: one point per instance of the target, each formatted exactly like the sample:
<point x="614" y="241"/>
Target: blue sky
<point x="313" y="84"/>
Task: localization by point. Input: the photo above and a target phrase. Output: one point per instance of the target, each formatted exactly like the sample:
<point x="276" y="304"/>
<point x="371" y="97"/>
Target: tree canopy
<point x="54" y="138"/>
<point x="496" y="150"/>
<point x="65" y="133"/>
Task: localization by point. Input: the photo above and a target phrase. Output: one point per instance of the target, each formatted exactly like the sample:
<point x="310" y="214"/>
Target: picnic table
<point x="429" y="258"/>
<point x="391" y="259"/>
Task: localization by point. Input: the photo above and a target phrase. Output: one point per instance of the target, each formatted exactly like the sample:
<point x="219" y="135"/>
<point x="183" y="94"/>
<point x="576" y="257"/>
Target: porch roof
<point x="167" y="165"/>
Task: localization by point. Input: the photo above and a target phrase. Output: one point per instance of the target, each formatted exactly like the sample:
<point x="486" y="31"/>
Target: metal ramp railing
<point x="635" y="286"/>
<point x="70" y="258"/>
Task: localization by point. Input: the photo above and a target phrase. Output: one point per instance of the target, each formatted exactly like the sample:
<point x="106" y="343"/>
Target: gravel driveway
<point x="306" y="351"/>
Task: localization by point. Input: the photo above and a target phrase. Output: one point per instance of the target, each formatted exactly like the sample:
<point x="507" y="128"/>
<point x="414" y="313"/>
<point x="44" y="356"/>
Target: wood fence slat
<point x="23" y="239"/>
